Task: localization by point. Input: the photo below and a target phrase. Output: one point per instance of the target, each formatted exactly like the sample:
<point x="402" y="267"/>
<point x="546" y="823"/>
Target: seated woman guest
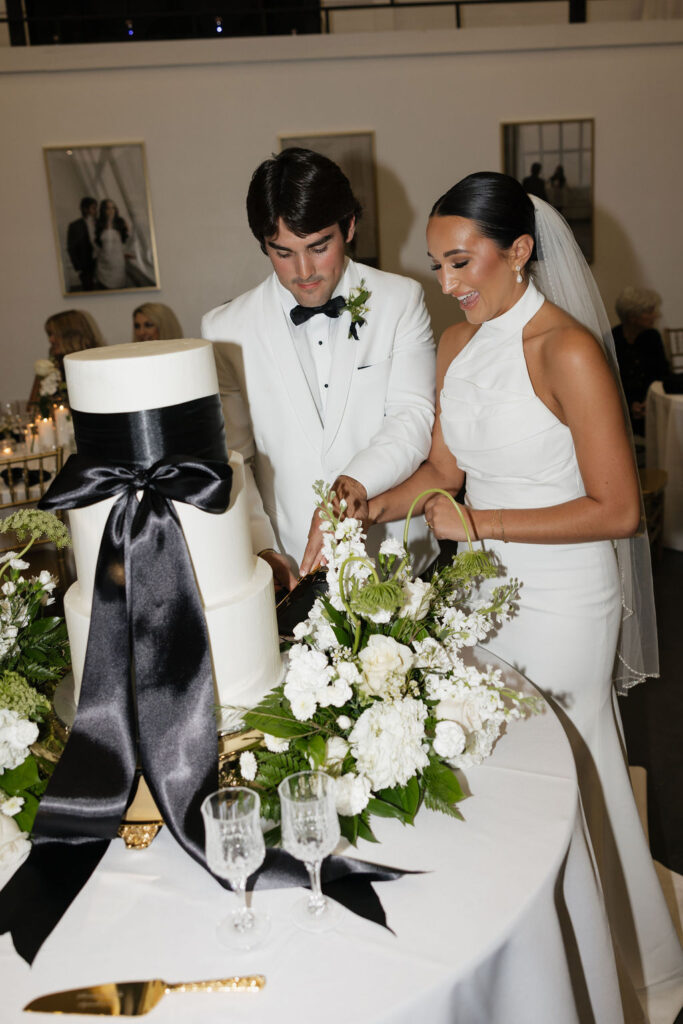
<point x="69" y="331"/>
<point x="530" y="414"/>
<point x="639" y="348"/>
<point x="152" y="321"/>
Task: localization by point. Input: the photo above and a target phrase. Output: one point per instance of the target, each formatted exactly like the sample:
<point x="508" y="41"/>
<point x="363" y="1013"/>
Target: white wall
<point x="209" y="111"/>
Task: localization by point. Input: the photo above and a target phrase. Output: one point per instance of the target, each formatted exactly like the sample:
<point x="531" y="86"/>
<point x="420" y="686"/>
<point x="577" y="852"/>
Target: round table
<point x="664" y="450"/>
<point x="504" y="926"/>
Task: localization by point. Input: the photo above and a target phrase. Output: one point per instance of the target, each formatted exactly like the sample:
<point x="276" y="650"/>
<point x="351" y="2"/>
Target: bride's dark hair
<point x="496" y="202"/>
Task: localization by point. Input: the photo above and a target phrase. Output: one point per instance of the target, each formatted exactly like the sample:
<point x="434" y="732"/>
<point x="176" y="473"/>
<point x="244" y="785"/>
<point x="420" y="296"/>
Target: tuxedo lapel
<point x="344" y="361"/>
<point x="275" y="328"/>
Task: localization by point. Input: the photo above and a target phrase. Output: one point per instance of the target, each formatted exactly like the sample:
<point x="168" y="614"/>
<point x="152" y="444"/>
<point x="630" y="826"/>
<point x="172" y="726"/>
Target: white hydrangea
<point x="16" y="736"/>
<point x="417" y="599"/>
<point x="352" y="793"/>
<point x="12" y="805"/>
<point x="385" y="664"/>
<point x="276" y="744"/>
<point x="388" y="742"/>
<point x="248" y="765"/>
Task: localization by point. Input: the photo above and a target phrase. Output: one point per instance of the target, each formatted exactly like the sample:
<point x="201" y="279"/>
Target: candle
<point x="63" y="425"/>
<point x="46" y="434"/>
<point x="7" y="449"/>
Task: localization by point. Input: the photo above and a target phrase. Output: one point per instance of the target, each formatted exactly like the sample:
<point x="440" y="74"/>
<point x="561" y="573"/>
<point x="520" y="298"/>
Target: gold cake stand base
<point x="142" y="820"/>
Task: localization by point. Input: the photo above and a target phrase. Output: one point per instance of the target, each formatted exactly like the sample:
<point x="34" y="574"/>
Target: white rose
<point x="336" y="751"/>
<point x="12" y="805"/>
<point x="248" y="765"/>
<point x="352" y="793"/>
<point x="275" y="744"/>
<point x="466" y="711"/>
<point x="449" y="739"/>
<point x="14" y="844"/>
<point x="385" y="665"/>
<point x="42" y="367"/>
<point x="417" y="599"/>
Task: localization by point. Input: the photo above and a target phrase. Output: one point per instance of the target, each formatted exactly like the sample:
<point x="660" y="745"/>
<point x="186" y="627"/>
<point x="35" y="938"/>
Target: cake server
<point x="133" y="998"/>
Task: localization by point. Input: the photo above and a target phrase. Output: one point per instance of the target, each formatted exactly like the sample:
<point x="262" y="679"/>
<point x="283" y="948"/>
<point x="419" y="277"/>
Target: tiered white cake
<point x="236" y="587"/>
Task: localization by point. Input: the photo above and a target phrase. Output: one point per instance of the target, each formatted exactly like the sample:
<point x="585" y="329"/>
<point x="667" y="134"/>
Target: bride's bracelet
<point x="498" y="513"/>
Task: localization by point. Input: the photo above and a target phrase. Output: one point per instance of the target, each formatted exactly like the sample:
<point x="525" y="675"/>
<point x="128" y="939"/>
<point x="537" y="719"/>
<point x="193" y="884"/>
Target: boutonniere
<point x="357" y="307"/>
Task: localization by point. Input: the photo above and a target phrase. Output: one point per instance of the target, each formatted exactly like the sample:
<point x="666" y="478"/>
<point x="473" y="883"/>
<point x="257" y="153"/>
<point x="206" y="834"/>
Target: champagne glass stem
<point x="316" y="902"/>
<point x="243" y="916"/>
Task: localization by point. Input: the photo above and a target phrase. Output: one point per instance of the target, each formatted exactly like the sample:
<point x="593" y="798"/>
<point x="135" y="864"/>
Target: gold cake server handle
<point x="133" y="998"/>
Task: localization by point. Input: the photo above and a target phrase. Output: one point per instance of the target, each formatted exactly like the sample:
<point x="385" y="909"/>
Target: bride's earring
<point x="519" y="275"/>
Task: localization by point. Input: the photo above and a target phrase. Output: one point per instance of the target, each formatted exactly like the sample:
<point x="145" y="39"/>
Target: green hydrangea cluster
<point x="34" y="524"/>
<point x="18" y="695"/>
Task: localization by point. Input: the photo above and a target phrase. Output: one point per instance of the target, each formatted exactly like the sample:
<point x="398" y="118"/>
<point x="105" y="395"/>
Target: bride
<point x="530" y="416"/>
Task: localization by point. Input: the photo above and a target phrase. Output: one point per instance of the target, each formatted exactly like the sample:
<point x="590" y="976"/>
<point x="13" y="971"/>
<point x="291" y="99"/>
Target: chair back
<point x="674" y="343"/>
<point x="23" y="481"/>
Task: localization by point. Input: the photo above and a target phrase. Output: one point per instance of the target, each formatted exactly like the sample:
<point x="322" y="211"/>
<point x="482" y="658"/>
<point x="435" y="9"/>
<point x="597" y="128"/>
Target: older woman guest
<point x="152" y="321"/>
<point x="639" y="348"/>
<point x="67" y="332"/>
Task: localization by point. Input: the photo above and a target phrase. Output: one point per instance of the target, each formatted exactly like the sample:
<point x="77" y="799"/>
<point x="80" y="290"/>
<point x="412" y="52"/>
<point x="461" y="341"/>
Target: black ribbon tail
<point x="355" y="892"/>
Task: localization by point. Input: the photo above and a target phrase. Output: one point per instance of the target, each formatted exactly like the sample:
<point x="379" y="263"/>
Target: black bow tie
<point x="332" y="308"/>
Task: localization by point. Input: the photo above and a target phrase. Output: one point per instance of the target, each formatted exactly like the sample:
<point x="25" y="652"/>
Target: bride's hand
<point x="443" y="520"/>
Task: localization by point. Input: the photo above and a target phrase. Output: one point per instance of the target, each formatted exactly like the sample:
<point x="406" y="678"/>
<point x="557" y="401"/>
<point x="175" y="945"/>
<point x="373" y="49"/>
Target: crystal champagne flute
<point x="310" y="831"/>
<point x="234" y="849"/>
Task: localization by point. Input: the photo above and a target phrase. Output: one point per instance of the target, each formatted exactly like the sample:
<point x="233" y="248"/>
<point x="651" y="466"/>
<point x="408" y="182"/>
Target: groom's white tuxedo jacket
<point x="378" y="414"/>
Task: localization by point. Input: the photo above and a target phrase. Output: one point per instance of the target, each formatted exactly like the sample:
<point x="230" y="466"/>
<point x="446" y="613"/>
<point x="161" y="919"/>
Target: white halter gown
<point x="517" y="454"/>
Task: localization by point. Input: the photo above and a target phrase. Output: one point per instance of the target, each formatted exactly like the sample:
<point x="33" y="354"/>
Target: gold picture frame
<point x="354" y="152"/>
<point x="114" y="250"/>
<point x="565" y="150"/>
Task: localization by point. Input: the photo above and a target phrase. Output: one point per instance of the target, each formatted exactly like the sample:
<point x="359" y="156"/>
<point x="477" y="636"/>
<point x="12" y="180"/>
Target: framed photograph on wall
<point x="554" y="160"/>
<point x="102" y="217"/>
<point x="355" y="154"/>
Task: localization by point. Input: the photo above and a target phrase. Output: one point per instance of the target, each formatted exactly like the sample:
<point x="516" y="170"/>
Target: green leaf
<point x="364" y="830"/>
<point x="274" y="715"/>
<point x="434" y="804"/>
<point x="406" y="797"/>
<point x="15" y="780"/>
<point x="27" y="814"/>
<point x="317" y="750"/>
<point x="383" y="809"/>
<point x="349" y="825"/>
<point x="273" y="836"/>
<point x="441" y="783"/>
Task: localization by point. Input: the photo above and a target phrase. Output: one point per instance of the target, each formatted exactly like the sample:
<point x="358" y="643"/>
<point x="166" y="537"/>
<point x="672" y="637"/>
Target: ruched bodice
<point x="514" y="450"/>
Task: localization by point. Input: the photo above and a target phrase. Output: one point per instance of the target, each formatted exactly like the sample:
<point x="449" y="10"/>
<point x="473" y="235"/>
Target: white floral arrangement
<point x="34" y="655"/>
<point x="376" y="692"/>
<point x="52" y="387"/>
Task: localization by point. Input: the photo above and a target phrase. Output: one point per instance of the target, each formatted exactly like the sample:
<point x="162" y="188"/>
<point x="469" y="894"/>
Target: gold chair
<point x="653" y="484"/>
<point x="24" y="479"/>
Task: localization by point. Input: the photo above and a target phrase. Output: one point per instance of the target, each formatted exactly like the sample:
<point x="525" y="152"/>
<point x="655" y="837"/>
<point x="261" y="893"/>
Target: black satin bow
<point x="332" y="308"/>
<point x="147" y="621"/>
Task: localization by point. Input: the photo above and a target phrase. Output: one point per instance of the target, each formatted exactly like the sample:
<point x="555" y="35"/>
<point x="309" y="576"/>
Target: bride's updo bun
<point x="496" y="202"/>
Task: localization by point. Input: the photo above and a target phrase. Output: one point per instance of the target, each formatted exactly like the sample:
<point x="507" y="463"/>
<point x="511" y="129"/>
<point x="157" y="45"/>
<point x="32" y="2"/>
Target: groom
<point x="313" y="386"/>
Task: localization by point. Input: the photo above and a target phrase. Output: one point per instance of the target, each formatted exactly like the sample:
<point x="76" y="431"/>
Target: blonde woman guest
<point x="152" y="321"/>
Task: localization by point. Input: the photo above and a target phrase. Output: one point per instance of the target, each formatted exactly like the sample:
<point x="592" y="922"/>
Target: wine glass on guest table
<point x="310" y="831"/>
<point x="234" y="849"/>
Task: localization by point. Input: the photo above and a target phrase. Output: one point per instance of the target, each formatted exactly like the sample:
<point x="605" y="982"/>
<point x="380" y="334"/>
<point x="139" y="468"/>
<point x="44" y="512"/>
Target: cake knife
<point x="133" y="998"/>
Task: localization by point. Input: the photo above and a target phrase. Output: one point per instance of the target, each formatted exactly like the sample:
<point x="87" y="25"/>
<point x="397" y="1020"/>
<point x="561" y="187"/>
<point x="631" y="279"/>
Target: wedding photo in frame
<point x="102" y="217"/>
<point x="355" y="154"/>
<point x="554" y="160"/>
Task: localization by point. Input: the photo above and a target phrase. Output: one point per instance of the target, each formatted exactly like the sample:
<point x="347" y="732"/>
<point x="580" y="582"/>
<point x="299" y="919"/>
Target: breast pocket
<point x="369" y="390"/>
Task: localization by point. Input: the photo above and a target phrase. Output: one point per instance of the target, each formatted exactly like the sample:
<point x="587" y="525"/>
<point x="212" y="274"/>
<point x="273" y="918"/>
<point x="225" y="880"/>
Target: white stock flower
<point x="47" y="581"/>
<point x="385" y="664"/>
<point x="9" y="588"/>
<point x="16" y="736"/>
<point x="418" y="595"/>
<point x="337" y="748"/>
<point x="248" y="765"/>
<point x="449" y="739"/>
<point x="276" y="744"/>
<point x="430" y="654"/>
<point x="19" y="564"/>
<point x="14" y="844"/>
<point x="12" y="806"/>
<point x="352" y="793"/>
<point x="387" y="742"/>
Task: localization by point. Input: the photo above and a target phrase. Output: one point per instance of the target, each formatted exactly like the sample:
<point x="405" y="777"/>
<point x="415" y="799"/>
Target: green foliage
<point x="17" y="695"/>
<point x="24" y="781"/>
<point x="371" y="597"/>
<point x="441" y="788"/>
<point x="43" y="654"/>
<point x="33" y="524"/>
<point x="274" y="715"/>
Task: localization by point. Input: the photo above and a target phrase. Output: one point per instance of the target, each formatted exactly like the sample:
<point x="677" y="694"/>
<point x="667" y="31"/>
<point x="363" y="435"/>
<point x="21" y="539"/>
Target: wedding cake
<point x="235" y="586"/>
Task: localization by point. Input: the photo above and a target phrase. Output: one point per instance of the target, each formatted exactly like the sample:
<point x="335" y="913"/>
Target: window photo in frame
<point x="102" y="217"/>
<point x="354" y="152"/>
<point x="554" y="160"/>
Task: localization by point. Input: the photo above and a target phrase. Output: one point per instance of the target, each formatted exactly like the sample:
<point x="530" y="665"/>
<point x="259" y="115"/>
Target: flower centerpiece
<point x="34" y="655"/>
<point x="52" y="387"/>
<point x="377" y="693"/>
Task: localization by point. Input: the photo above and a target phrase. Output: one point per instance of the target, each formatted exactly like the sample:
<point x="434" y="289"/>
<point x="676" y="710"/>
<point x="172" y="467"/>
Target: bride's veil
<point x="564" y="277"/>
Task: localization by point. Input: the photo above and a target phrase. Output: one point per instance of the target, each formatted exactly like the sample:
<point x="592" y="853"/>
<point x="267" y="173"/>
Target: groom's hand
<point x="282" y="574"/>
<point x="356" y="498"/>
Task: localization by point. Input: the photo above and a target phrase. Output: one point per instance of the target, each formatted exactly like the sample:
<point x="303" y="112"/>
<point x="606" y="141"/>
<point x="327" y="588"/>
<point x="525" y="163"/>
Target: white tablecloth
<point x="493" y="932"/>
<point x="664" y="450"/>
